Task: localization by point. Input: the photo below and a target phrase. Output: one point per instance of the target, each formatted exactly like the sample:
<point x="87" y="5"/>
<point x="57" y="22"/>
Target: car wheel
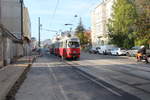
<point x="103" y="53"/>
<point x="128" y="54"/>
<point x="117" y="54"/>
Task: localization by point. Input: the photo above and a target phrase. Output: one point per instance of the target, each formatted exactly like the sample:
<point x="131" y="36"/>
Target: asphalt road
<point x="120" y="71"/>
<point x="52" y="79"/>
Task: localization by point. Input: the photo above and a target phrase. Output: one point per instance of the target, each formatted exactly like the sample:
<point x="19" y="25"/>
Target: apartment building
<point x="99" y="16"/>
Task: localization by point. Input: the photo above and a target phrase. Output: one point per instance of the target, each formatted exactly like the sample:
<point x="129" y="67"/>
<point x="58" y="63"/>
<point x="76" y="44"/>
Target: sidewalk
<point x="11" y="75"/>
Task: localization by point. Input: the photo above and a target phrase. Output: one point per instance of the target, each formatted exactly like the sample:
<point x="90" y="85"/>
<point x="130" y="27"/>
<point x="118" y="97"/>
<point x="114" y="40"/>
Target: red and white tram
<point x="68" y="48"/>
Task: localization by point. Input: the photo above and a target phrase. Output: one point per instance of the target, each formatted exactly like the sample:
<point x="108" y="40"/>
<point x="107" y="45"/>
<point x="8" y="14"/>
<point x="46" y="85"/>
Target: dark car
<point x="94" y="50"/>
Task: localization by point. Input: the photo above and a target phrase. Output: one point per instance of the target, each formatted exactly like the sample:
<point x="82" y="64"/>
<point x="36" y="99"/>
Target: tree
<point x="121" y="26"/>
<point x="80" y="34"/>
<point x="143" y="22"/>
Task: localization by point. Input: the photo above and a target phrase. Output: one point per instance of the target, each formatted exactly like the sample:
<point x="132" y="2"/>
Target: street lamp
<point x="69" y="34"/>
<point x="68" y="24"/>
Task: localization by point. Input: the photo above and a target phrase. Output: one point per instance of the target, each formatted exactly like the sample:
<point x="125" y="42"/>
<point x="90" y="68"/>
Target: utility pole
<point x="39" y="27"/>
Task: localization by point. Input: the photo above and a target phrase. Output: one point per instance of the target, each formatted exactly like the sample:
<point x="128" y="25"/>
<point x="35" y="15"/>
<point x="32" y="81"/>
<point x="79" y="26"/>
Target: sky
<point x="54" y="14"/>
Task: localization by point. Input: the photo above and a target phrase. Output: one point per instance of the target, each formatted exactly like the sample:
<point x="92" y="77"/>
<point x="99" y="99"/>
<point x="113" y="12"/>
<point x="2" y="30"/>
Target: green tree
<point x="80" y="34"/>
<point x="121" y="26"/>
<point x="143" y="22"/>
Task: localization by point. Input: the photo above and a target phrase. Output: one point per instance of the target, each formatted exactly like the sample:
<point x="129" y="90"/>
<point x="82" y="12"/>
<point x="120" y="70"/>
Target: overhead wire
<point x="54" y="13"/>
<point x="57" y="4"/>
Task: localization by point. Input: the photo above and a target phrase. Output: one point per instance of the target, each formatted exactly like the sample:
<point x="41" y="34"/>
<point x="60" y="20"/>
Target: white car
<point x="105" y="49"/>
<point x="118" y="51"/>
<point x="132" y="51"/>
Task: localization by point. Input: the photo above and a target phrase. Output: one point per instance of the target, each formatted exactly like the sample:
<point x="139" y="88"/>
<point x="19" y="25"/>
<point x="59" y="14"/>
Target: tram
<point x="68" y="48"/>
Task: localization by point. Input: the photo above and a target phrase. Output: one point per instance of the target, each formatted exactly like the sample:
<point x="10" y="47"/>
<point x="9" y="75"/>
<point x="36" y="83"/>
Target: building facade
<point x="10" y="23"/>
<point x="11" y="16"/>
<point x="26" y="23"/>
<point x="26" y="32"/>
<point x="100" y="16"/>
<point x="11" y="33"/>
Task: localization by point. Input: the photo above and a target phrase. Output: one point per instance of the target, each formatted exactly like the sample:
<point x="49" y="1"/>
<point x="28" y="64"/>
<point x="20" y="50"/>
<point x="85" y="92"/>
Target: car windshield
<point x="73" y="44"/>
<point x="135" y="48"/>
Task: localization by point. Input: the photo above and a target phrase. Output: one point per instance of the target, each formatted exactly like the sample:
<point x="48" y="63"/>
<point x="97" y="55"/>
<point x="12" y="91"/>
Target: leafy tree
<point x="80" y="33"/>
<point x="143" y="22"/>
<point x="121" y="26"/>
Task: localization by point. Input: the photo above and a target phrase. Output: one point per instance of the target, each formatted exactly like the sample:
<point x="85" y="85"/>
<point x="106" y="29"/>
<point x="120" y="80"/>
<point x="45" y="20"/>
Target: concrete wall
<point x="11" y="16"/>
<point x="7" y="56"/>
<point x="12" y="50"/>
<point x="27" y="48"/>
<point x="1" y="50"/>
<point x="19" y="50"/>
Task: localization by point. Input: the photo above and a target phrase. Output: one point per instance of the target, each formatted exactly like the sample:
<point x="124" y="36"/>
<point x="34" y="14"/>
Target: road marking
<point x="60" y="86"/>
<point x="109" y="89"/>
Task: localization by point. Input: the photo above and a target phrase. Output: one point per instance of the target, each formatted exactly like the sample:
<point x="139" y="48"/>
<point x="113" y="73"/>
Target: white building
<point x="100" y="16"/>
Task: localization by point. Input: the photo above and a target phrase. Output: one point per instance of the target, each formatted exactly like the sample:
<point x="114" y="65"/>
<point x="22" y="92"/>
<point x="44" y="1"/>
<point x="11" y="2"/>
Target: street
<point x="53" y="79"/>
<point x="122" y="72"/>
<point x="75" y="50"/>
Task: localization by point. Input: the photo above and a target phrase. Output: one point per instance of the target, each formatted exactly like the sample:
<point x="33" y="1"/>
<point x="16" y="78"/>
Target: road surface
<point x="52" y="79"/>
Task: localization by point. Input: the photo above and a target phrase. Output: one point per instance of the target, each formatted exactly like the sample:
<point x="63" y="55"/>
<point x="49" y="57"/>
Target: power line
<point x="55" y="10"/>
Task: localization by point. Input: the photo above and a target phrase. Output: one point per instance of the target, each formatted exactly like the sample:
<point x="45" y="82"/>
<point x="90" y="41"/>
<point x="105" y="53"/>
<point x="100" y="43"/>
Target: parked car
<point x="94" y="50"/>
<point x="118" y="51"/>
<point x="105" y="49"/>
<point x="133" y="51"/>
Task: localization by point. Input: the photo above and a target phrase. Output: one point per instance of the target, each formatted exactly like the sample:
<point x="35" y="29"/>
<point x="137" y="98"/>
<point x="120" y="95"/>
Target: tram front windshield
<point x="73" y="44"/>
